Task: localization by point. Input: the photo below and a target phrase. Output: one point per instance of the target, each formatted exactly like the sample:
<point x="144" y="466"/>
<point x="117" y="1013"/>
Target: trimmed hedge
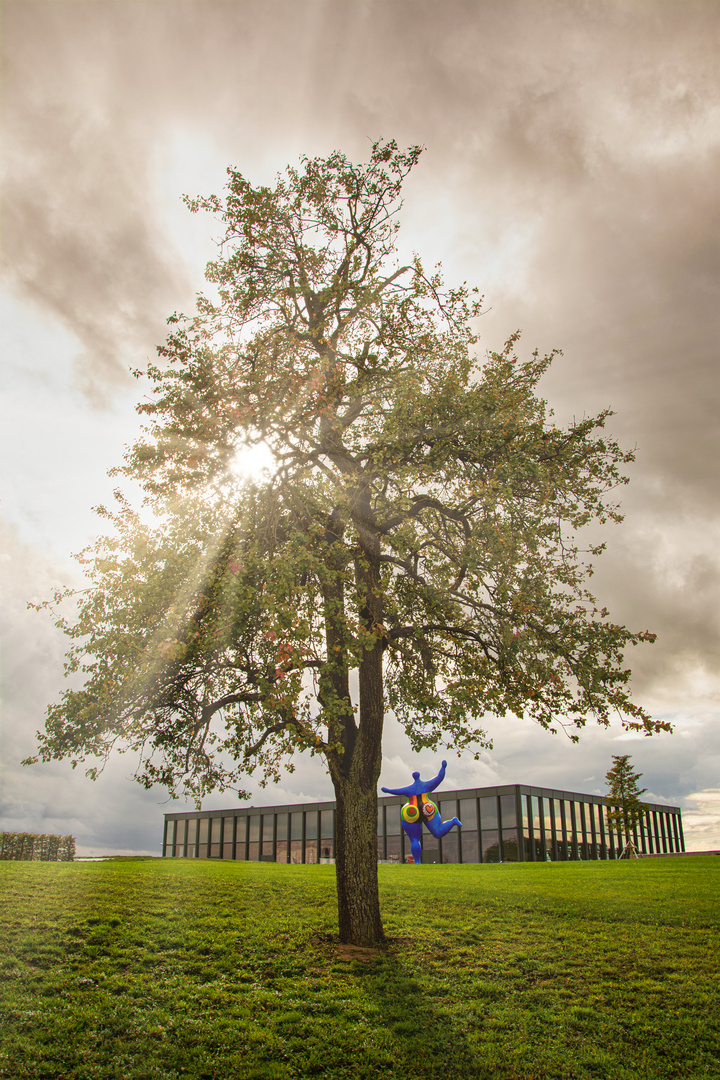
<point x="37" y="847"/>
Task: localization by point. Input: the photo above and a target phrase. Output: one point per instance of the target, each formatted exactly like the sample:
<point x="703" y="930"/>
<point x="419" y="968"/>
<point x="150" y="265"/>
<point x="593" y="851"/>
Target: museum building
<point x="511" y="823"/>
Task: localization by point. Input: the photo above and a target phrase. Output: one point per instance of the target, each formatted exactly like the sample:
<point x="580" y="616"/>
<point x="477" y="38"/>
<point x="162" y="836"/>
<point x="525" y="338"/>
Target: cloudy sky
<point x="571" y="172"/>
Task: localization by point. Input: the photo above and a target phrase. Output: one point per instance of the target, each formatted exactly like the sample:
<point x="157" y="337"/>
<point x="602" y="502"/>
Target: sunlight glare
<point x="253" y="462"/>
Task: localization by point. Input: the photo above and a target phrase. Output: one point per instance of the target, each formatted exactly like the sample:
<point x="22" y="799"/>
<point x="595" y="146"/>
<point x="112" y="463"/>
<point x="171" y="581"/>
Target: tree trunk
<point x="355" y="776"/>
<point x="355" y="772"/>
<point x="356" y="865"/>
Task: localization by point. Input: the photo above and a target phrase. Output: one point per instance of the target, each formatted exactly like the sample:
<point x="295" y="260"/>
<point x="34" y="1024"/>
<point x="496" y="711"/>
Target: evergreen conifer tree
<point x="625" y="811"/>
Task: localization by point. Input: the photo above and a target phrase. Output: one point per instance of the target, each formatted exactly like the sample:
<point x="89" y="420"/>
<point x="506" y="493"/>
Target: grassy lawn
<point x="151" y="968"/>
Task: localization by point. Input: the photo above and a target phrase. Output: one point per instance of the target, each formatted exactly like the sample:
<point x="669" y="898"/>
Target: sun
<point x="255" y="462"/>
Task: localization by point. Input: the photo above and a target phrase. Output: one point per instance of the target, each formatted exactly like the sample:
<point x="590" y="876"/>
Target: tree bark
<point x="355" y="772"/>
<point x="359" y="920"/>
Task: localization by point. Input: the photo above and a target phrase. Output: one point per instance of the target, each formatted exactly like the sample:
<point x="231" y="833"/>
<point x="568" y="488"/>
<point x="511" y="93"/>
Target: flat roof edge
<point x="390" y="800"/>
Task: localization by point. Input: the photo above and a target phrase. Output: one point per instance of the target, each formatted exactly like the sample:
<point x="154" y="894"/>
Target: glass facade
<point x="513" y="823"/>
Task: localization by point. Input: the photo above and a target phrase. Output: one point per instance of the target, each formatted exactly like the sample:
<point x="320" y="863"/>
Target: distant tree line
<point x="37" y="847"/>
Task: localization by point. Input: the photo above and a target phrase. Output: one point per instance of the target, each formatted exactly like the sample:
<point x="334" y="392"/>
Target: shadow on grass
<point x="428" y="1041"/>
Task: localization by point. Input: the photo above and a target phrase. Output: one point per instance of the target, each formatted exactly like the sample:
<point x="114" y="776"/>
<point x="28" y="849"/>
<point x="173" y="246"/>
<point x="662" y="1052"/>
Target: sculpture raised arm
<point x="418" y="786"/>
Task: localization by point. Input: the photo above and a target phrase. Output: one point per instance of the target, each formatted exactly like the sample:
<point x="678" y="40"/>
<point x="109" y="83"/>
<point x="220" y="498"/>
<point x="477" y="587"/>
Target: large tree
<point x="413" y="548"/>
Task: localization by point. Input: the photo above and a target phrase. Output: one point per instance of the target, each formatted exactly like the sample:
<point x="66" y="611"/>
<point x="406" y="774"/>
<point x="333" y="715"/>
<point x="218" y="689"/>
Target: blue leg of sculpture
<point x="440" y="828"/>
<point x="414" y="831"/>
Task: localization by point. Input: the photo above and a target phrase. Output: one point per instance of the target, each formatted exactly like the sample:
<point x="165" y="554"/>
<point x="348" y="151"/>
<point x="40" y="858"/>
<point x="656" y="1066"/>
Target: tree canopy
<point x="414" y="547"/>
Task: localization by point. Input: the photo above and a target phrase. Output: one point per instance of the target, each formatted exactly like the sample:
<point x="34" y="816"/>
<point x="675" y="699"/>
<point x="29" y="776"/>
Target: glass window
<point x="192" y="831"/>
<point x="430" y="848"/>
<point x="311" y="851"/>
<point x="254" y="850"/>
<point x="282" y="827"/>
<point x="468" y="814"/>
<point x="647" y="830"/>
<point x="392" y="820"/>
<point x="311" y="824"/>
<point x="508" y="811"/>
<point x="583" y="836"/>
<point x="548" y="812"/>
<point x="448" y="809"/>
<point x="254" y="828"/>
<point x="327" y="850"/>
<point x="558" y="817"/>
<point x="215" y="830"/>
<point x="559" y="832"/>
<point x="393" y="853"/>
<point x="296" y="826"/>
<point x="536" y="807"/>
<point x="490" y="845"/>
<point x="381" y="821"/>
<point x="268" y="827"/>
<point x="590" y="831"/>
<point x="180" y="827"/>
<point x="326" y="825"/>
<point x="281" y="852"/>
<point x="228" y="829"/>
<point x="296" y="851"/>
<point x="202" y="851"/>
<point x="241" y="830"/>
<point x="450" y="847"/>
<point x="676" y="832"/>
<point x="204" y="830"/>
<point x="488" y="812"/>
<point x="469" y="841"/>
<point x="510" y="845"/>
<point x="668" y="829"/>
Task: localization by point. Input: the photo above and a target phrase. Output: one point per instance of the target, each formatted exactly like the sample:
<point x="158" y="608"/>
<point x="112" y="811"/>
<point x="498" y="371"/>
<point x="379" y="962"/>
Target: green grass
<point x="147" y="969"/>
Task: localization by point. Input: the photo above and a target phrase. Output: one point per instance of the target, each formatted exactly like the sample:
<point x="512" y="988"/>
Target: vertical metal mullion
<point x="498" y="813"/>
<point x="479" y="828"/>
<point x="541" y="821"/>
<point x="440" y="843"/>
<point x="553" y="828"/>
<point x="519" y="826"/>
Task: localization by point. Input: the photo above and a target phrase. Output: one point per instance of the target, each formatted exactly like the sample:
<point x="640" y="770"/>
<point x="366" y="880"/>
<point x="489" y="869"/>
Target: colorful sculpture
<point x="419" y="809"/>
